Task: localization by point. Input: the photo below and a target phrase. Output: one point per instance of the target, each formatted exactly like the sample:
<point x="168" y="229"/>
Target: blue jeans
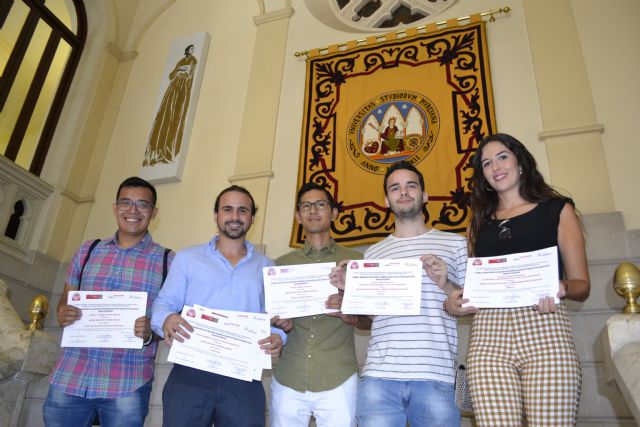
<point x="196" y="398"/>
<point x="390" y="403"/>
<point x="64" y="410"/>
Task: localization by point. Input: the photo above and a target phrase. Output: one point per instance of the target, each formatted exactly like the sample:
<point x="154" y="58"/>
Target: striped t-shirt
<point x="420" y="347"/>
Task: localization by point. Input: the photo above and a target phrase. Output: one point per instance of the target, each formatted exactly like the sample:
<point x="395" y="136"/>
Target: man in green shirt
<point x="317" y="371"/>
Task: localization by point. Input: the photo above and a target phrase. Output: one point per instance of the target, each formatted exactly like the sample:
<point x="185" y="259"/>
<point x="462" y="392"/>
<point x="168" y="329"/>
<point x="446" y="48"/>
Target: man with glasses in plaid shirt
<point x="112" y="383"/>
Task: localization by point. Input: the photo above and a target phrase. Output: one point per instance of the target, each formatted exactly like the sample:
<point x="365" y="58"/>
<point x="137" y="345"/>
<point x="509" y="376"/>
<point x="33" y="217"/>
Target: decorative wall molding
<point x="121" y="56"/>
<point x="78" y="199"/>
<point x="273" y="16"/>
<point x="248" y="176"/>
<point x="24" y="179"/>
<point x="17" y="184"/>
<point x="548" y="134"/>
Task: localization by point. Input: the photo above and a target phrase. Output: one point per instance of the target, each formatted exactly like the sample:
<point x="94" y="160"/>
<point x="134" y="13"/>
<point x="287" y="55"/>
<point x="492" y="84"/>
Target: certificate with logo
<point x="223" y="342"/>
<point x="515" y="280"/>
<point x="298" y="290"/>
<point x="258" y="323"/>
<point x="108" y="319"/>
<point x="383" y="287"/>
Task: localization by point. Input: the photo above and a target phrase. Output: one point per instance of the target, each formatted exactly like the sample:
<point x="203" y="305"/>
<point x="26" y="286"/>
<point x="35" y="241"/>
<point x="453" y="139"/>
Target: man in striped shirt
<point x="114" y="383"/>
<point x="410" y="368"/>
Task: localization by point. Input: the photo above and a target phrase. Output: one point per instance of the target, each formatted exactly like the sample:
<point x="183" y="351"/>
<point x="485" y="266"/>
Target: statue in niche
<point x="168" y="126"/>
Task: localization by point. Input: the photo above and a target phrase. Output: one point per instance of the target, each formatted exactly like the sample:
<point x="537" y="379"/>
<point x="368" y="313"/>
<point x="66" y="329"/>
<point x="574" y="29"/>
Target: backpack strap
<point x="165" y="262"/>
<point x="165" y="268"/>
<point x="86" y="259"/>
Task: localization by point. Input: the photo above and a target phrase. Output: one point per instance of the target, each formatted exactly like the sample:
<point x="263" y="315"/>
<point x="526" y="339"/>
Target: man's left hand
<point x="284" y="324"/>
<point x="436" y="269"/>
<point x="272" y="344"/>
<point x="335" y="301"/>
<point x="142" y="328"/>
<point x="454" y="302"/>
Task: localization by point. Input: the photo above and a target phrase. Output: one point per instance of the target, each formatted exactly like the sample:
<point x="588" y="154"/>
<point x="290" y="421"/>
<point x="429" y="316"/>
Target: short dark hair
<point x="403" y="164"/>
<point x="239" y="189"/>
<point x="309" y="186"/>
<point x="135" y="181"/>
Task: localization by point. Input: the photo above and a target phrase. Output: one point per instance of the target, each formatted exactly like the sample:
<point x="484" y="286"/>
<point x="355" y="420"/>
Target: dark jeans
<point x="65" y="410"/>
<point x="196" y="398"/>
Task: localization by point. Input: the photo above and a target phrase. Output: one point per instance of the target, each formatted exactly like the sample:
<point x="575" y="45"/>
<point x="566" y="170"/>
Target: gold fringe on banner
<point x="422" y="29"/>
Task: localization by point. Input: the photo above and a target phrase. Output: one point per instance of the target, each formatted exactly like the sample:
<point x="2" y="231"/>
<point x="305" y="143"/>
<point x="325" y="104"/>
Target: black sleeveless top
<point x="531" y="231"/>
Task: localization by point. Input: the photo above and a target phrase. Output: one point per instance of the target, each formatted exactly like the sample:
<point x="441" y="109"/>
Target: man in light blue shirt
<point x="226" y="274"/>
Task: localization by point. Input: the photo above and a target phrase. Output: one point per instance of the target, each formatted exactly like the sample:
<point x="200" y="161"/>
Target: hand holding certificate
<point x="298" y="290"/>
<point x="107" y="321"/>
<point x="387" y="287"/>
<point x="259" y="323"/>
<point x="515" y="280"/>
<point x="223" y="342"/>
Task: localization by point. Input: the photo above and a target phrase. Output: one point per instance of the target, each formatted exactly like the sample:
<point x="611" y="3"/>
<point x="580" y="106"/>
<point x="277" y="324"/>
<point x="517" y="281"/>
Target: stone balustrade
<point x="622" y="360"/>
<point x="25" y="357"/>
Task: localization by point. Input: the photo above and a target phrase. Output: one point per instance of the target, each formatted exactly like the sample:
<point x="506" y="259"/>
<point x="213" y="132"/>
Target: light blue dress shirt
<point x="202" y="275"/>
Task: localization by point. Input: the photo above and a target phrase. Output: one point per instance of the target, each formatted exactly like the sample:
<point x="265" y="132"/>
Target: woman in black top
<point x="522" y="363"/>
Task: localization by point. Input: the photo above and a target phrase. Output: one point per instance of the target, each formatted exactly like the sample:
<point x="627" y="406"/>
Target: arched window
<point x="40" y="47"/>
<point x="376" y="15"/>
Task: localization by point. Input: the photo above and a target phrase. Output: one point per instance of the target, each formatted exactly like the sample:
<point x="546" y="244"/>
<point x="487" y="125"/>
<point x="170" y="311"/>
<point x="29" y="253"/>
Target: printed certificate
<point x="258" y="322"/>
<point x="108" y="319"/>
<point x="298" y="290"/>
<point x="383" y="287"/>
<point x="225" y="343"/>
<point x="515" y="280"/>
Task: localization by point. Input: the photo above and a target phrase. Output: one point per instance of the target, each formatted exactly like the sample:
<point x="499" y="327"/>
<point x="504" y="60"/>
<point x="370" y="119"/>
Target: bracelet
<point x="148" y="341"/>
<point x="444" y="308"/>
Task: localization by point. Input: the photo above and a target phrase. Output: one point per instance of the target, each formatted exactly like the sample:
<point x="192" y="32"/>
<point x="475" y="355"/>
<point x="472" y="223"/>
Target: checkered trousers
<point x="523" y="364"/>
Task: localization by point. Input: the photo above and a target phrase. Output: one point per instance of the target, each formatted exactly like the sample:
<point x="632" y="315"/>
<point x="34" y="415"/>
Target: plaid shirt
<point x="111" y="372"/>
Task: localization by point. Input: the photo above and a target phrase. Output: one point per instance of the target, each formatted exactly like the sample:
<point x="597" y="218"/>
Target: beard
<point x="407" y="211"/>
<point x="234" y="233"/>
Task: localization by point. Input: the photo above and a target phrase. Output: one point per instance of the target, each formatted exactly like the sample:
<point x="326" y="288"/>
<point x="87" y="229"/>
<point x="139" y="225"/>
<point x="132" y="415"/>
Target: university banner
<point x="425" y="98"/>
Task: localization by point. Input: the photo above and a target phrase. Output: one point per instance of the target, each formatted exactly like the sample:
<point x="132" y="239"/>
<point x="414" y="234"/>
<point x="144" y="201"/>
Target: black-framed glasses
<point x="504" y="232"/>
<point x="320" y="205"/>
<point x="142" y="205"/>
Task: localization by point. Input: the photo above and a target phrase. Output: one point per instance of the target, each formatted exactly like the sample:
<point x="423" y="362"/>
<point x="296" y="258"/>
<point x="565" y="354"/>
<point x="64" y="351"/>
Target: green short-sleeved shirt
<point x="320" y="352"/>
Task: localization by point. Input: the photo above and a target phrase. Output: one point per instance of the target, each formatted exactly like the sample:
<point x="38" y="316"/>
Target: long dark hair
<point x="484" y="200"/>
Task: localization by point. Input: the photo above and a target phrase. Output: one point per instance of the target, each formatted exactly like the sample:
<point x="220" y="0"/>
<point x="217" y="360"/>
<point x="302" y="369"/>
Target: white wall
<point x="185" y="208"/>
<point x="609" y="35"/>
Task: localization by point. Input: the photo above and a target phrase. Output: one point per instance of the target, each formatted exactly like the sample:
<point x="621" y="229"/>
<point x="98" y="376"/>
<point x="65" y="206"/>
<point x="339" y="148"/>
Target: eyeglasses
<point x="142" y="205"/>
<point x="320" y="205"/>
<point x="504" y="232"/>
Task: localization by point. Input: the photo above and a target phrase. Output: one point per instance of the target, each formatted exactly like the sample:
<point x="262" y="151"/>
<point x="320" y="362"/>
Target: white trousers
<point x="331" y="408"/>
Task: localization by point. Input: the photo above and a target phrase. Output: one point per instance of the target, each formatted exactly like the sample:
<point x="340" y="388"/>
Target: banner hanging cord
<point x="491" y="13"/>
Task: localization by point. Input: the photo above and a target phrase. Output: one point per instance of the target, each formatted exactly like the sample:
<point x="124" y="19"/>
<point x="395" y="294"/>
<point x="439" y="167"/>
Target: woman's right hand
<point x="546" y="305"/>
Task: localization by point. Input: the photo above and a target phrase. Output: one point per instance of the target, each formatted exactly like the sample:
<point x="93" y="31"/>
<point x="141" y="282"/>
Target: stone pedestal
<point x="622" y="358"/>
